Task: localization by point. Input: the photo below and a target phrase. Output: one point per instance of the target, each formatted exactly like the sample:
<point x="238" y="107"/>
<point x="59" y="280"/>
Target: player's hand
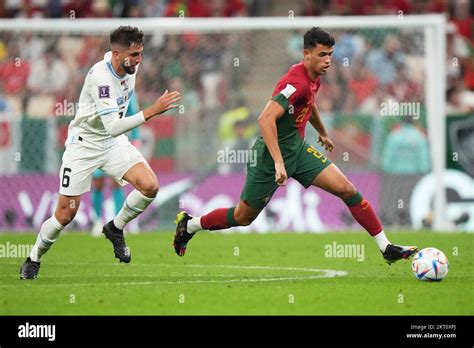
<point x="280" y="174"/>
<point x="166" y="102"/>
<point x="326" y="142"/>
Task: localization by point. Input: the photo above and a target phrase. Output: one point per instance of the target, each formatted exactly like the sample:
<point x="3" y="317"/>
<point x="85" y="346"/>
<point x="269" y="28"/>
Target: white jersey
<point x="104" y="94"/>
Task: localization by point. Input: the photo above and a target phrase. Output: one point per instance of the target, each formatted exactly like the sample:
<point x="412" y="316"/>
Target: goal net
<point x="382" y="101"/>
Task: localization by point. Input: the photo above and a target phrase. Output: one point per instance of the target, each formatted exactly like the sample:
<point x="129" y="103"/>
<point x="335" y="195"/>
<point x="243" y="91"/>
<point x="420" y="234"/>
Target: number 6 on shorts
<point x="66" y="178"/>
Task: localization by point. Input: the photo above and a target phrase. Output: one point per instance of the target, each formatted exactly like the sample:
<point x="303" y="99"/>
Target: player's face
<point x="130" y="58"/>
<point x="319" y="58"/>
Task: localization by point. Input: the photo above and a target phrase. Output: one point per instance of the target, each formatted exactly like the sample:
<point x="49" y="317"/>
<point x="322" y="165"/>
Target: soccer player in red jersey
<point x="282" y="152"/>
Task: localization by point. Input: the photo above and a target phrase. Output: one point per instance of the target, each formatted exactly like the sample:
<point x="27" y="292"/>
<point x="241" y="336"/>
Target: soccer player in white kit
<point x="96" y="139"/>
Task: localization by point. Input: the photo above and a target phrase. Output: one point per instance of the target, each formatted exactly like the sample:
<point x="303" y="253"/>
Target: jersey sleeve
<point x="287" y="93"/>
<point x="104" y="95"/>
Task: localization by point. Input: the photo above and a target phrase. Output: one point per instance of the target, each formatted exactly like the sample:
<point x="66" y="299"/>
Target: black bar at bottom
<point x="221" y="330"/>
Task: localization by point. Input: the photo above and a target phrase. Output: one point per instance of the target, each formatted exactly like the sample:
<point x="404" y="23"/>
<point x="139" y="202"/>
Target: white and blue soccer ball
<point x="430" y="264"/>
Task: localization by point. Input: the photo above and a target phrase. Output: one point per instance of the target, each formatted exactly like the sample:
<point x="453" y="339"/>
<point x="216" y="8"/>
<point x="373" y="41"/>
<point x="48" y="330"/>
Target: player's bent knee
<point x="67" y="208"/>
<point x="149" y="188"/>
<point x="348" y="191"/>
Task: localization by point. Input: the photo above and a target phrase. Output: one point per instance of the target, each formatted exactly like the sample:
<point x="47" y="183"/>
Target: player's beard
<point x="129" y="69"/>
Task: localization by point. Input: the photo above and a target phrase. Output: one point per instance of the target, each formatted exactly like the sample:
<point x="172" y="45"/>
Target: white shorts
<point x="79" y="162"/>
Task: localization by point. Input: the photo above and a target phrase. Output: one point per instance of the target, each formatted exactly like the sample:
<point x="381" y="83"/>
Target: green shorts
<point x="302" y="162"/>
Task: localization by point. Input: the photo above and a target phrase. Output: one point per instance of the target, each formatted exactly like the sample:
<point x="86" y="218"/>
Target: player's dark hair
<point x="126" y="36"/>
<point x="316" y="36"/>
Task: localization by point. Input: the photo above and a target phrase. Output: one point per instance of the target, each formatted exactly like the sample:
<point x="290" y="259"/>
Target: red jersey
<point x="295" y="92"/>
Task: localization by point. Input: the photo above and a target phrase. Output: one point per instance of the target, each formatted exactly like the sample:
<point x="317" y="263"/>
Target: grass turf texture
<point x="80" y="276"/>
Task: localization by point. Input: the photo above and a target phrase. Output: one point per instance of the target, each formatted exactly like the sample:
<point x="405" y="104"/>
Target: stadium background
<point x="225" y="80"/>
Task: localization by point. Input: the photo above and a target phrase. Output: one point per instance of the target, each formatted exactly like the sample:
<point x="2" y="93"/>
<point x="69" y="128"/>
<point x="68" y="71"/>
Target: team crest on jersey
<point x="104" y="91"/>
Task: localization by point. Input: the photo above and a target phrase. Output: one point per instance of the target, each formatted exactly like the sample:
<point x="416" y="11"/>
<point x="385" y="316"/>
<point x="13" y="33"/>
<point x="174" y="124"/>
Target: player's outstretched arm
<point x="316" y="122"/>
<point x="116" y="126"/>
<point x="267" y="123"/>
<point x="166" y="102"/>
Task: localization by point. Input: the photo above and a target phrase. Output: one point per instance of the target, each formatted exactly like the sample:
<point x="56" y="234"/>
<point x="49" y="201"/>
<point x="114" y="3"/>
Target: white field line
<point x="322" y="273"/>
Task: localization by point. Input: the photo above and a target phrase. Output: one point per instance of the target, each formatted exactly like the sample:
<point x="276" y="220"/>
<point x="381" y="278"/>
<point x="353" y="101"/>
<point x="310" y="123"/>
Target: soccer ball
<point x="430" y="264"/>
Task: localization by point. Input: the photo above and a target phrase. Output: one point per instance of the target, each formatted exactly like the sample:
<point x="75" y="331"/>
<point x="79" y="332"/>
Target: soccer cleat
<point x="182" y="237"/>
<point x="395" y="252"/>
<point x="29" y="269"/>
<point x="121" y="251"/>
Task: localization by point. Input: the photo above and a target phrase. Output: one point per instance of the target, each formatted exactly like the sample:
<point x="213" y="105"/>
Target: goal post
<point x="432" y="28"/>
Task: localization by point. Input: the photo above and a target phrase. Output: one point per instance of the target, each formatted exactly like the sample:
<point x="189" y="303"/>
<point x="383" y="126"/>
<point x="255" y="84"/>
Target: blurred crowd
<point x="41" y="77"/>
<point x="54" y="66"/>
<point x="38" y="72"/>
<point x="228" y="8"/>
<point x="130" y="8"/>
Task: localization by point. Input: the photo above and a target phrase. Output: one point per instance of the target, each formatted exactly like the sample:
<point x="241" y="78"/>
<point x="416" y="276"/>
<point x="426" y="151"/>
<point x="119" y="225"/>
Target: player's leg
<point x="218" y="219"/>
<point x="332" y="180"/>
<point x="49" y="232"/>
<point x="125" y="163"/>
<point x="146" y="187"/>
<point x="259" y="188"/>
<point x="97" y="197"/>
<point x="75" y="178"/>
<point x="223" y="218"/>
<point x="118" y="199"/>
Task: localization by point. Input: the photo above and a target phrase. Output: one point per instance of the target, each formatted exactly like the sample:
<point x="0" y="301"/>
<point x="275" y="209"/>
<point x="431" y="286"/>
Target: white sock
<point x="382" y="241"/>
<point x="194" y="225"/>
<point x="48" y="234"/>
<point x="134" y="205"/>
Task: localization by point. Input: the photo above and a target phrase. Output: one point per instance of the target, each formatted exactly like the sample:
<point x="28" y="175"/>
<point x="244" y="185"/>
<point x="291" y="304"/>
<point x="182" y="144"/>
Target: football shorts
<point x="79" y="162"/>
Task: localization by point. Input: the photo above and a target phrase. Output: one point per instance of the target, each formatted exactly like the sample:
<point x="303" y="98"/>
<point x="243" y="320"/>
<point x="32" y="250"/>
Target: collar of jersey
<point x="111" y="68"/>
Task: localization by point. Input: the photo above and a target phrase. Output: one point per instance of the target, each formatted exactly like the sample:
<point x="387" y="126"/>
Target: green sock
<point x="230" y="217"/>
<point x="356" y="199"/>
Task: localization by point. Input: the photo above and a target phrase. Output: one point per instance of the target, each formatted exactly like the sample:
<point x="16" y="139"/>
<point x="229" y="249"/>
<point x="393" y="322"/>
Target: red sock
<point x="366" y="217"/>
<point x="218" y="219"/>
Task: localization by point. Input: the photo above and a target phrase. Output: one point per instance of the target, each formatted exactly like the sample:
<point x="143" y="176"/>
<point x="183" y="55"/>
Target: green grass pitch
<point x="236" y="274"/>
